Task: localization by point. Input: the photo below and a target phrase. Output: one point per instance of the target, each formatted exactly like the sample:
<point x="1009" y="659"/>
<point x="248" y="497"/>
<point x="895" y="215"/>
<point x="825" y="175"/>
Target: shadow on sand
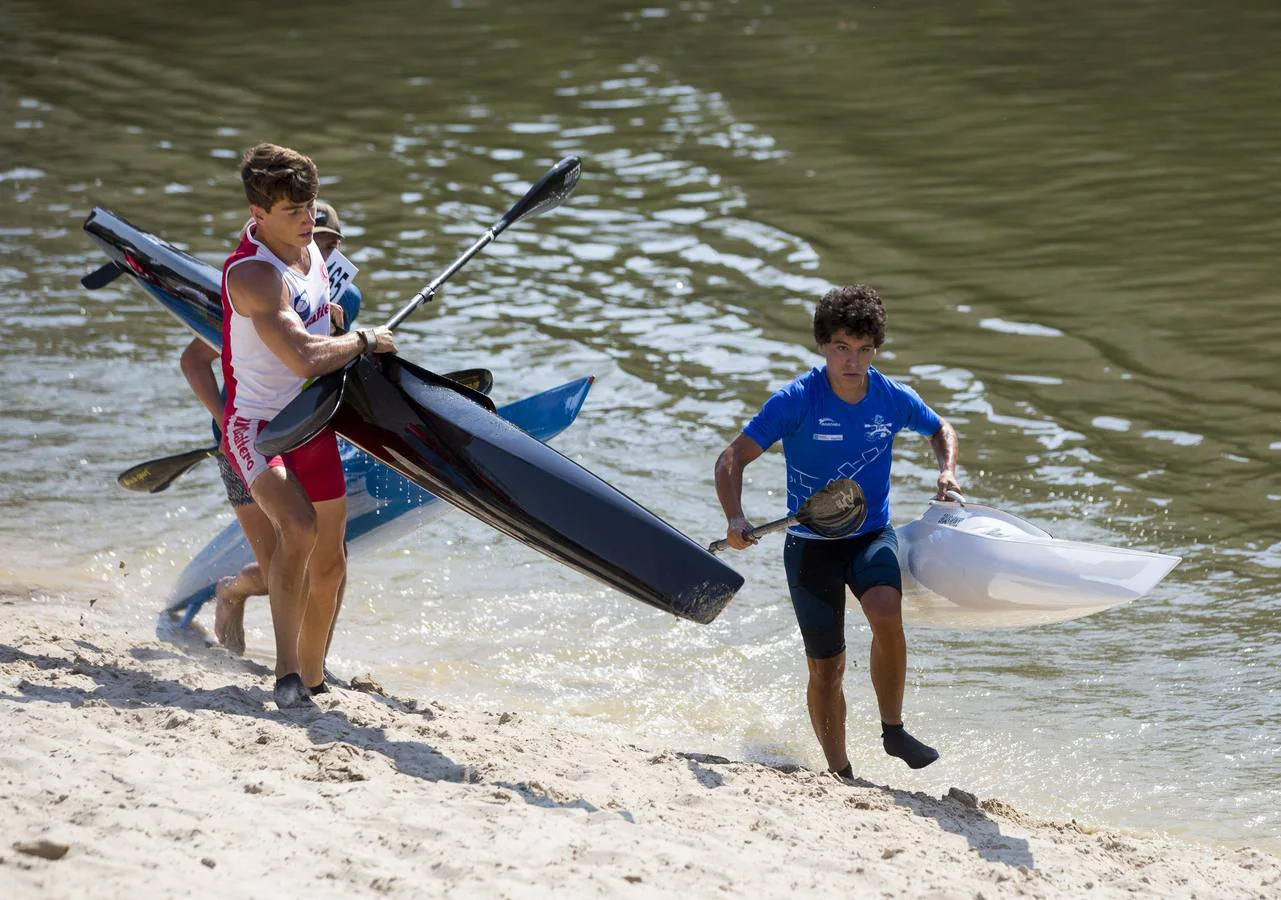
<point x="129" y="688"/>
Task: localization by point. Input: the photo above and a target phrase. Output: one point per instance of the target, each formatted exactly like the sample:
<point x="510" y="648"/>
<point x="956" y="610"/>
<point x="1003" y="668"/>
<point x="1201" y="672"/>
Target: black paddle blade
<point x="481" y="380"/>
<point x="551" y="191"/>
<point x="102" y="276"/>
<point x="155" y="475"/>
<point x="305" y="415"/>
<point x="835" y="511"/>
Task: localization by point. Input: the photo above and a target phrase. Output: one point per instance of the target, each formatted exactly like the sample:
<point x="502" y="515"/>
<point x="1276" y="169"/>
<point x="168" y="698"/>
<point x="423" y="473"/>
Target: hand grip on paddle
<point x="836" y="511"/>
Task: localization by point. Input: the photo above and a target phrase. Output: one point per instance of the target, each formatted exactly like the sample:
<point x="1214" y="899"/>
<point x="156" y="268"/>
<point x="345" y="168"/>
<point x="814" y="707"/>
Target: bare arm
<point x="197" y="361"/>
<point x="729" y="487"/>
<point x="260" y="294"/>
<point x="946" y="450"/>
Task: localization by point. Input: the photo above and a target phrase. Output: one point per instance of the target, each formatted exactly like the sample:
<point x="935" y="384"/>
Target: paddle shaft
<point x="427" y="293"/>
<point x="760" y="531"/>
<point x="552" y="189"/>
<point x="835" y="511"/>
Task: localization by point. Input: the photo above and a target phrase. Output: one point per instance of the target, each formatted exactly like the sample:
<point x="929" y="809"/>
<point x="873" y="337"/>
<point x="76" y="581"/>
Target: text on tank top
<point x="258" y="383"/>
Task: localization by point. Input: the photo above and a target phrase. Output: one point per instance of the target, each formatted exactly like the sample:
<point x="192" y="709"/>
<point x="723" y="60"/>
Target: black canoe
<point x="428" y="429"/>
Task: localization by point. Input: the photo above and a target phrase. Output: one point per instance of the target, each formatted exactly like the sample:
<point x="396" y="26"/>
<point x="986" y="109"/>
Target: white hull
<point x="975" y="565"/>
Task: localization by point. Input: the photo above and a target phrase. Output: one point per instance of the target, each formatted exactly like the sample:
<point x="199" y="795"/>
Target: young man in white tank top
<point x="275" y="299"/>
<point x="232" y="591"/>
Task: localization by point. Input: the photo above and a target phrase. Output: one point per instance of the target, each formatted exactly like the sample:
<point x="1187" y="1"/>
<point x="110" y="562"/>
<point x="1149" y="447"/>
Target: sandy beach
<point x="143" y="762"/>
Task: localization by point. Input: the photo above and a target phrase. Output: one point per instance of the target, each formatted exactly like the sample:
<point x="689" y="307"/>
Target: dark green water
<point x="1067" y="207"/>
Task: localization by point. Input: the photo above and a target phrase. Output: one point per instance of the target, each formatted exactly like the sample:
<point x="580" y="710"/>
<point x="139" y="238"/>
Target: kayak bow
<point x="407" y="418"/>
<point x="994" y="568"/>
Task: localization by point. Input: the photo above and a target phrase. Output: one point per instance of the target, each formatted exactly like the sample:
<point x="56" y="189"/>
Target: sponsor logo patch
<point x="878" y="428"/>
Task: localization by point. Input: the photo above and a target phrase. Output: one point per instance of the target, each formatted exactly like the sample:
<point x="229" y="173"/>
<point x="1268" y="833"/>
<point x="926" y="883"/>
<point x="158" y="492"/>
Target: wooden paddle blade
<point x="836" y="511"/>
<point x="156" y="475"/>
<point x="304" y="417"/>
<point x="481" y="380"/>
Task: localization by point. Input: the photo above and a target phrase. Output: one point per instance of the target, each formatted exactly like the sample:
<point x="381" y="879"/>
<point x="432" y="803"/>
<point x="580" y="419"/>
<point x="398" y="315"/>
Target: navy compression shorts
<point x="818" y="572"/>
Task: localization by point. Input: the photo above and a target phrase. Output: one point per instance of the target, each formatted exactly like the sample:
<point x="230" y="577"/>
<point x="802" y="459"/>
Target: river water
<point x="1067" y="207"/>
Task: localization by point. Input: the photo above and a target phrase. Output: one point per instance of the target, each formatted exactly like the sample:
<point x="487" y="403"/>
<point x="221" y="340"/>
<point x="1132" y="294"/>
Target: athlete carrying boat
<point x="838" y="422"/>
<point x="197" y="360"/>
<point x="275" y="336"/>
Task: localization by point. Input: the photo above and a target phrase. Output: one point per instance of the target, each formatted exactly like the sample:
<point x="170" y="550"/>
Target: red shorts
<point x="316" y="464"/>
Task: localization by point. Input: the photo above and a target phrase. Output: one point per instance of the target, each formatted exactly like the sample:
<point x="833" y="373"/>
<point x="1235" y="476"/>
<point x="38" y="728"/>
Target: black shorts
<point x="237" y="493"/>
<point x="818" y="572"/>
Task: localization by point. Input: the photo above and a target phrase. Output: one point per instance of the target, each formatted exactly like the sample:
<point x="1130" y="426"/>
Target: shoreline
<point x="157" y="760"/>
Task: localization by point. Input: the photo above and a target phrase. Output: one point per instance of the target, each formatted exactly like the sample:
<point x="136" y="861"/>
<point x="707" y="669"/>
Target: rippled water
<point x="1067" y="211"/>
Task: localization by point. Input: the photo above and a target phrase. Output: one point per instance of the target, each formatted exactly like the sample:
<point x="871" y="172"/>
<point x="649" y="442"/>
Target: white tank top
<point x="259" y="384"/>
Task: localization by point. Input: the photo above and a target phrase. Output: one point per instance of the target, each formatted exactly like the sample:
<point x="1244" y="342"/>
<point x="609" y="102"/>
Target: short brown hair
<point x="271" y="174"/>
<point x="855" y="309"/>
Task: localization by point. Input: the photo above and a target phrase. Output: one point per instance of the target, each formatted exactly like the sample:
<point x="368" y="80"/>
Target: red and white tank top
<point x="258" y="384"/>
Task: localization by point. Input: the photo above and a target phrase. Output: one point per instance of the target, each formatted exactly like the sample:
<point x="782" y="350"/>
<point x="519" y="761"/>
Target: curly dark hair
<point x="271" y="174"/>
<point x="855" y="309"/>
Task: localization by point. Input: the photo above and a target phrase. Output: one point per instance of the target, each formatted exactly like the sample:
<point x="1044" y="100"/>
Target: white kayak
<point x="972" y="565"/>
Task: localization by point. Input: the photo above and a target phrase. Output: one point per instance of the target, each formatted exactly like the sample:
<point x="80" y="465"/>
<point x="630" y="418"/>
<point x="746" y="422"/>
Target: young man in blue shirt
<point x="839" y="421"/>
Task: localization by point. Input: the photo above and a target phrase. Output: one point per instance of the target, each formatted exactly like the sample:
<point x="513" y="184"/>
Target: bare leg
<point x="825" y="698"/>
<point x="326" y="570"/>
<point x="342" y="592"/>
<point x="285" y="503"/>
<point x="883" y="607"/>
<point x="333" y="623"/>
<point x="232" y="592"/>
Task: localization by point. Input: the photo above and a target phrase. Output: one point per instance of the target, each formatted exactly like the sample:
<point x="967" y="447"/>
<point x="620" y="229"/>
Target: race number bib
<point x="341" y="272"/>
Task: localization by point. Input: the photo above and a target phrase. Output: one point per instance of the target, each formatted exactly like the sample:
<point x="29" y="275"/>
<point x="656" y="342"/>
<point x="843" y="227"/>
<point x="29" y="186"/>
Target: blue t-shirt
<point x="350" y="303"/>
<point x="824" y="438"/>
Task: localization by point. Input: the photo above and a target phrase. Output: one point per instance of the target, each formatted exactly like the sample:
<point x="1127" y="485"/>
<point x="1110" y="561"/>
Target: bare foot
<point x="229" y="617"/>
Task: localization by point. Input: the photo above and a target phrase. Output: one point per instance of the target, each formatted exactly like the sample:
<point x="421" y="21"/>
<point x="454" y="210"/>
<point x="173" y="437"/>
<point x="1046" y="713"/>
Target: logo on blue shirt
<point x="878" y="428"/>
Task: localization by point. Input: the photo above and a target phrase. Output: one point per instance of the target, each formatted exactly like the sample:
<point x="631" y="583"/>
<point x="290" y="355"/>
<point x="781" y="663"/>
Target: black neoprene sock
<point x="321" y="688"/>
<point x="907" y="748"/>
<point x="291" y="693"/>
<point x="847" y="773"/>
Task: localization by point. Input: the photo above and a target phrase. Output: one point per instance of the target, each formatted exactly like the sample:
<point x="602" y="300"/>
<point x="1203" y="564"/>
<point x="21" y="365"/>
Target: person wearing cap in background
<point x="197" y="364"/>
<point x="327" y="234"/>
